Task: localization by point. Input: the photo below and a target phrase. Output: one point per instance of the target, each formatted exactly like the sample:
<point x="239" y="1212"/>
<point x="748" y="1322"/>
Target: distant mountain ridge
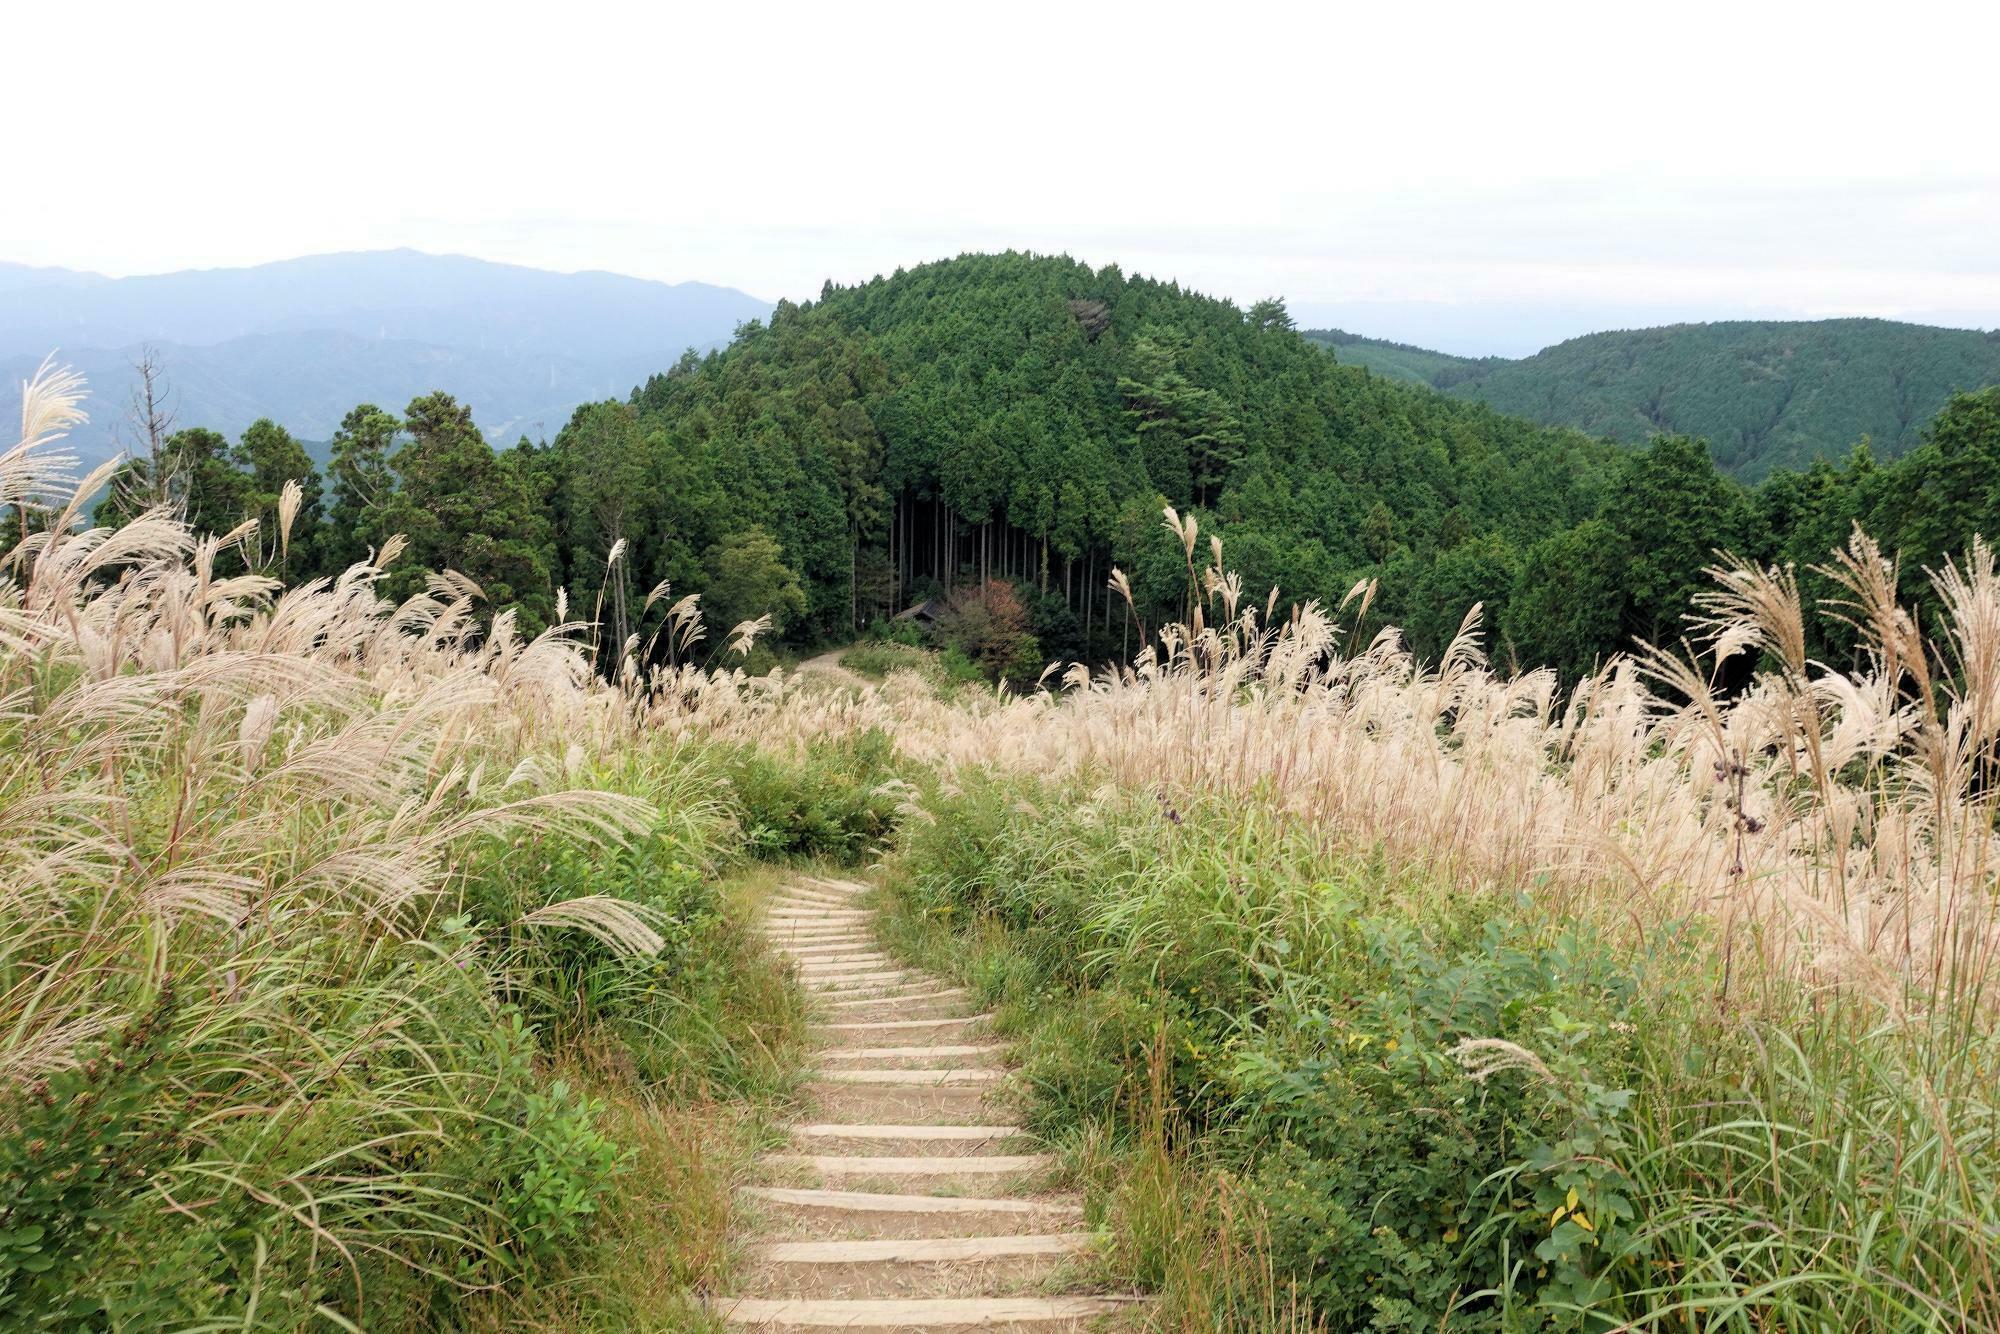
<point x="1765" y="394"/>
<point x="303" y="340"/>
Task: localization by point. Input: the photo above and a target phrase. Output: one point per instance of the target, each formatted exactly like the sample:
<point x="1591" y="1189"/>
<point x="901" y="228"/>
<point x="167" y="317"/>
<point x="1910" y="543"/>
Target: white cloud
<point x="1737" y="155"/>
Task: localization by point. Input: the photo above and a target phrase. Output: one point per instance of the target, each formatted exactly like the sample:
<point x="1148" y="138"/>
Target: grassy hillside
<point x="1764" y="394"/>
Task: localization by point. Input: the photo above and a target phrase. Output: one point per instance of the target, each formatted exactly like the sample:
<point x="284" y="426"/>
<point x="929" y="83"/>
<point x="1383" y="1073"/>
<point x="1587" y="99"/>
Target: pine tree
<point x="361" y="484"/>
<point x="269" y="457"/>
<point x="464" y="508"/>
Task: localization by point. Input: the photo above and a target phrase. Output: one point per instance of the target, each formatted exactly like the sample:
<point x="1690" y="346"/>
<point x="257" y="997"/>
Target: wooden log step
<point x="837" y="1164"/>
<point x="915" y="1313"/>
<point x="896" y="1053"/>
<point x="855" y="1201"/>
<point x="904" y="1025"/>
<point x="872" y="1130"/>
<point x="923" y="1250"/>
<point x="872" y="977"/>
<point x="943" y="993"/>
<point x="926" y="1078"/>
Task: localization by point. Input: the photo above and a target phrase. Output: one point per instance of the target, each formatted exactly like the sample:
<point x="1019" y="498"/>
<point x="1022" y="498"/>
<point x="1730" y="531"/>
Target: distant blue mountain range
<point x="303" y="340"/>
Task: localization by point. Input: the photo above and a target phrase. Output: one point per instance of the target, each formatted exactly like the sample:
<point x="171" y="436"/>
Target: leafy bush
<point x="878" y="659"/>
<point x="560" y="1167"/>
<point x="77" y="1153"/>
<point x="1387" y="1186"/>
<point x="988" y="626"/>
<point x="908" y="633"/>
<point x="839" y="800"/>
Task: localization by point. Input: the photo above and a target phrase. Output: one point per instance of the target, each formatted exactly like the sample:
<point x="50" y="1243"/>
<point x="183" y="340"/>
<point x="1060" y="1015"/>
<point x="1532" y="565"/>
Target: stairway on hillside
<point x="907" y="1203"/>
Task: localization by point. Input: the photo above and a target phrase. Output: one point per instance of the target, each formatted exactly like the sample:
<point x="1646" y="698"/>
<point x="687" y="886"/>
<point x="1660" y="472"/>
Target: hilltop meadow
<point x="1431" y="871"/>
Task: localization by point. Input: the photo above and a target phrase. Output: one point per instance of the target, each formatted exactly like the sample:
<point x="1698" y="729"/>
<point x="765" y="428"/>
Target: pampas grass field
<point x="1687" y="997"/>
<point x="352" y="953"/>
<point x="311" y="909"/>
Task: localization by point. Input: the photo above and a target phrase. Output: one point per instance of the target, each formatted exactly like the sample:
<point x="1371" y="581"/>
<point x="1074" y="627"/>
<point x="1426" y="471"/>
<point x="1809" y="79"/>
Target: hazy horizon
<point x="1473" y="329"/>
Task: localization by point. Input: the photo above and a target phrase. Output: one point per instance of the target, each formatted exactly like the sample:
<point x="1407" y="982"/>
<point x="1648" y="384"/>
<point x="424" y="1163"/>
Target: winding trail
<point x="908" y="1203"/>
<point x="828" y="665"/>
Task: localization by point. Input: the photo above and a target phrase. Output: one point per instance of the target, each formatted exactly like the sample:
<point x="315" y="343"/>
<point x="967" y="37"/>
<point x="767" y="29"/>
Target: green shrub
<point x="877" y="659"/>
<point x="558" y="1169"/>
<point x="986" y="626"/>
<point x="1387" y="1187"/>
<point x="838" y="801"/>
<point x="77" y="1154"/>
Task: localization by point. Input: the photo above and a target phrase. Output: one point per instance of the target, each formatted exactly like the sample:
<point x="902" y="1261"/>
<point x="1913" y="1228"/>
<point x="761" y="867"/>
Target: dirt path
<point x="828" y="665"/>
<point x="908" y="1202"/>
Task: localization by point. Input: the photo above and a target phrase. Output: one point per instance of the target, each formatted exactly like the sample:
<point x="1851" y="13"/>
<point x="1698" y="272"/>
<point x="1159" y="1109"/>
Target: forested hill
<point x="1398" y="361"/>
<point x="1764" y="394"/>
<point x="1023" y="419"/>
<point x="1026" y="417"/>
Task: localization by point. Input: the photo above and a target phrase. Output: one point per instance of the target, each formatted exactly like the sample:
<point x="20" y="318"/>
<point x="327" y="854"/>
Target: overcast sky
<point x="1481" y="175"/>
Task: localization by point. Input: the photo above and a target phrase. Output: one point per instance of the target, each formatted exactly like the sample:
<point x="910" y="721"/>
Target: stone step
<point x="821" y="933"/>
<point x="809" y="929"/>
<point x="1031" y="1273"/>
<point x="817" y="913"/>
<point x="914" y="1140"/>
<point x="919" y="1165"/>
<point x="902" y="1098"/>
<point x="824" y="1216"/>
<point x="967" y="1056"/>
<point x="872" y="991"/>
<point x="950" y="1174"/>
<point x="814" y="898"/>
<point x="851" y="888"/>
